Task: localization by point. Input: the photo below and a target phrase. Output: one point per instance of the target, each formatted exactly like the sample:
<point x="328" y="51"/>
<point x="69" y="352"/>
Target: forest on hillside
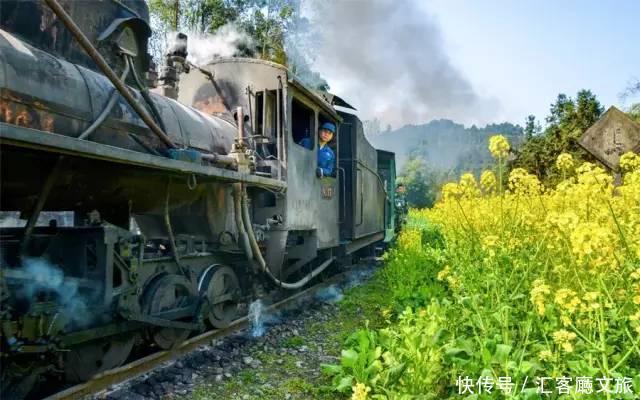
<point x="439" y="151"/>
<point x="444" y="144"/>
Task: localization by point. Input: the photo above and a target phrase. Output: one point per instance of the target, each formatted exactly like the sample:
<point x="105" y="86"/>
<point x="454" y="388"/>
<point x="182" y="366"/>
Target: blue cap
<point x="329" y="126"/>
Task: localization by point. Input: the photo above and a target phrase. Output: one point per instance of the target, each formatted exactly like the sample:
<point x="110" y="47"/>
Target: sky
<point x="521" y="54"/>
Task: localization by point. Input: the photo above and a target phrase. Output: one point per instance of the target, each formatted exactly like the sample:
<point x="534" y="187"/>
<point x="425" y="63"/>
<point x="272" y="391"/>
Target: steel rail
<point x="147" y="364"/>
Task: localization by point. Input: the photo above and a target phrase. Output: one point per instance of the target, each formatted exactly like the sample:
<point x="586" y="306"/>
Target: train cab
<point x="320" y="216"/>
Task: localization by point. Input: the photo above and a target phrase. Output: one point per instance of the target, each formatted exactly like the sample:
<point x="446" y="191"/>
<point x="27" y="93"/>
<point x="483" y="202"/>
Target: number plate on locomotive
<point x="327" y="191"/>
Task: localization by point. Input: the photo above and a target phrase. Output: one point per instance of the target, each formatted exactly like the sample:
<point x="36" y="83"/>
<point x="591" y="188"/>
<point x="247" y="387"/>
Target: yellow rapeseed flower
<point x="582" y="231"/>
<point x="592" y="241"/>
<point x="451" y="191"/>
<point x="499" y="146"/>
<point x="360" y="391"/>
<point x="567" y="300"/>
<point x="523" y="183"/>
<point x="489" y="244"/>
<point x="545" y="355"/>
<point x="590" y="298"/>
<point x="564" y="162"/>
<point x="564" y="222"/>
<point x="592" y="178"/>
<point x="565" y="320"/>
<point x="468" y="186"/>
<point x="539" y="294"/>
<point x="454" y="282"/>
<point x="564" y="338"/>
<point x="442" y="275"/>
<point x="635" y="321"/>
<point x="629" y="162"/>
<point x="488" y="182"/>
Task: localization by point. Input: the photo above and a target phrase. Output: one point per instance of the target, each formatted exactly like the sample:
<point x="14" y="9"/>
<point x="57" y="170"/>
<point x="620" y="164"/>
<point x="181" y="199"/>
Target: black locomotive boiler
<point x="141" y="213"/>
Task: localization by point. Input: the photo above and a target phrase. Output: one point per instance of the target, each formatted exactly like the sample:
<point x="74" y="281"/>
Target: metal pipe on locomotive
<point x="146" y="215"/>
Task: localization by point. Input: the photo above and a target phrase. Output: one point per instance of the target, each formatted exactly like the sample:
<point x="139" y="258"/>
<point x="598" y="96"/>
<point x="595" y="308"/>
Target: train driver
<point x="326" y="157"/>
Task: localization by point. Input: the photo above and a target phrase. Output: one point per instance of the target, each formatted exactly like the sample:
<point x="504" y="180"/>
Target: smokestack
<point x="175" y="63"/>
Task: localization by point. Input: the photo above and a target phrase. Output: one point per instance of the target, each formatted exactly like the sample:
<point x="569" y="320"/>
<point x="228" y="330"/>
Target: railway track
<point x="136" y="368"/>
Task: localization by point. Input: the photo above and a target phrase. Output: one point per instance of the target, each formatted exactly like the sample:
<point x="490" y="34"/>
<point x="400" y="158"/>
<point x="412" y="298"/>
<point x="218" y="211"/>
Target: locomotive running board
<point x="31" y="138"/>
<point x="357" y="244"/>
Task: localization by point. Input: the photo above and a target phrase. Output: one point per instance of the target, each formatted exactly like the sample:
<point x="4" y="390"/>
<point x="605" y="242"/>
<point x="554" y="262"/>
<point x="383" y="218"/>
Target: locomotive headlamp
<point x="125" y="35"/>
<point x="127" y="43"/>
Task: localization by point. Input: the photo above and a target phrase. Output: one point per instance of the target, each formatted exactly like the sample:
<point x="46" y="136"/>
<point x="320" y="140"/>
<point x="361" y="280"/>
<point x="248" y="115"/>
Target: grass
<point x="294" y="341"/>
<point x="360" y="305"/>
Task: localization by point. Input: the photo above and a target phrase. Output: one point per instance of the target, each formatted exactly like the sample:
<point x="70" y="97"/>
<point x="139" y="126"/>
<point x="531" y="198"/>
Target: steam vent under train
<point x="141" y="207"/>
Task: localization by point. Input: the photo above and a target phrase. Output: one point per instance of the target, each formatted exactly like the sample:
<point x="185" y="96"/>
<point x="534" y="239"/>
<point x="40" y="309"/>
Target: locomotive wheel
<point x="165" y="294"/>
<point x="86" y="360"/>
<point x="17" y="380"/>
<point x="220" y="285"/>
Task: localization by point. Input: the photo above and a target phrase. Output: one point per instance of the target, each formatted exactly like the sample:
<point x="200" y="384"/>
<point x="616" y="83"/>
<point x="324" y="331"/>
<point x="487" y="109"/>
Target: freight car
<point x="143" y="215"/>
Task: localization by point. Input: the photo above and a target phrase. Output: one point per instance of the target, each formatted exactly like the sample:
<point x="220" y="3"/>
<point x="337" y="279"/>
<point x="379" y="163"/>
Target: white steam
<point x="45" y="277"/>
<point x="227" y="41"/>
<point x="261" y="318"/>
<point x="330" y="294"/>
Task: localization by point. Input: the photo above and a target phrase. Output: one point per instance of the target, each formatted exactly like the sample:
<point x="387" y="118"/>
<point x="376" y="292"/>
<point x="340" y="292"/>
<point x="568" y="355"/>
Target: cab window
<point x="302" y="123"/>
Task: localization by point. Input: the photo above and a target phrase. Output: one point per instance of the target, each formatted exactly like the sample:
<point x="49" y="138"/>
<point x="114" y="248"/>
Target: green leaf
<point x="376" y="353"/>
<point x="490" y="344"/>
<point x="486" y="355"/>
<point x="331" y="369"/>
<point x="375" y="367"/>
<point x="525" y="367"/>
<point x="349" y="358"/>
<point x="457" y="355"/>
<point x="439" y="335"/>
<point x="486" y="372"/>
<point x="395" y="371"/>
<point x="530" y="393"/>
<point x="511" y="366"/>
<point x="344" y="384"/>
<point x="582" y="368"/>
<point x="636" y="384"/>
<point x="502" y="353"/>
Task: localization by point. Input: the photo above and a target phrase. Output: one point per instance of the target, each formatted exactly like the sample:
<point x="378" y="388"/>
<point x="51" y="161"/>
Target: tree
<point x="531" y="128"/>
<point x="588" y="110"/>
<point x="421" y="183"/>
<point x="568" y="119"/>
<point x="632" y="89"/>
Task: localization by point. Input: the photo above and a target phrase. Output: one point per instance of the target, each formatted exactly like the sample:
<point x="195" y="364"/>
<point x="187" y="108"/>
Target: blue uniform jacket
<point x="326" y="157"/>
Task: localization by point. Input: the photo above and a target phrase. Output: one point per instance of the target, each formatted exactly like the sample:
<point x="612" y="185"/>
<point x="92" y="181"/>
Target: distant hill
<point x="445" y="145"/>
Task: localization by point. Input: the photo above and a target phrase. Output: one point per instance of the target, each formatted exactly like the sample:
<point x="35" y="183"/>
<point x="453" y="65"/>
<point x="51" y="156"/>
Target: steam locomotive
<point x="140" y="207"/>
